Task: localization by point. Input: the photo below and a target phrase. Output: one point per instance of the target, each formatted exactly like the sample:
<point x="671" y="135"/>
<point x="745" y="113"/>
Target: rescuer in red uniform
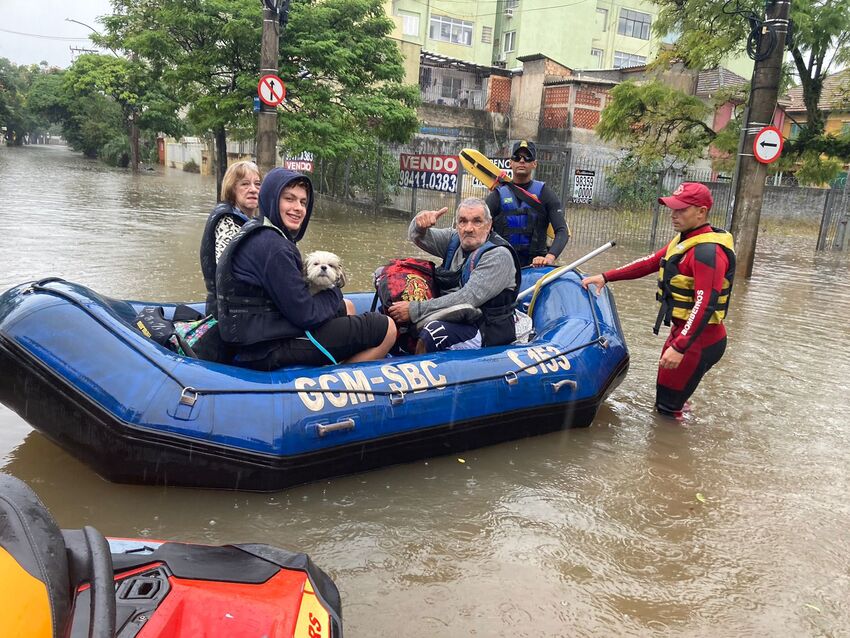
<point x="695" y="272"/>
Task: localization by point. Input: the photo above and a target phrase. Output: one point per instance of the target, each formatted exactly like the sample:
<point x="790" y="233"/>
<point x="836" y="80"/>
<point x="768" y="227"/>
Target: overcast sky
<point x="36" y="30"/>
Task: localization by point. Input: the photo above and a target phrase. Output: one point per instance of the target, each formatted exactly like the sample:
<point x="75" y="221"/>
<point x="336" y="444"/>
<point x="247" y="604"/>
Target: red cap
<point x="688" y="194"/>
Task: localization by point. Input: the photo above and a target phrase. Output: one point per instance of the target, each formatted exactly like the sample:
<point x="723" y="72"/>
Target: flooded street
<point x="734" y="523"/>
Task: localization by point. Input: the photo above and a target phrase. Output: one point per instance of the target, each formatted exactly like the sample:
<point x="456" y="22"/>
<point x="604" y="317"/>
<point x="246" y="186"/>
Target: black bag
<point x="152" y="323"/>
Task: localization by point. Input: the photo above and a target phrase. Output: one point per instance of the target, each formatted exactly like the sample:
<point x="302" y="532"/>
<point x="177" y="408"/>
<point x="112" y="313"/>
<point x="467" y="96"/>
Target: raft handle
<point x="340" y="426"/>
<point x="397" y="398"/>
<point x="603" y="342"/>
<point x="512" y="378"/>
<point x="189" y="396"/>
<point x="565" y="382"/>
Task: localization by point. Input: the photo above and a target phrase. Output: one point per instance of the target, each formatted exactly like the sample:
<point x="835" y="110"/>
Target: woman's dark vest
<point x="208" y="241"/>
<point x="245" y="313"/>
<point x="519" y="223"/>
<point x="497" y="323"/>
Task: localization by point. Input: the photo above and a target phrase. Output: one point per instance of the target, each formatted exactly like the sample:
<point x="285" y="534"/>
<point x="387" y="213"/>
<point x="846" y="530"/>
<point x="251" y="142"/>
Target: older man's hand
<point x="400" y="312"/>
<point x="427" y="218"/>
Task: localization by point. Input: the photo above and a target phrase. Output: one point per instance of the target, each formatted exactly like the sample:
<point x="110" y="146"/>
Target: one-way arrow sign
<point x="767" y="147"/>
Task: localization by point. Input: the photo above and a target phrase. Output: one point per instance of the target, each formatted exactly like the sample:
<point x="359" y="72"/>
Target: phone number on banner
<point x="445" y="182"/>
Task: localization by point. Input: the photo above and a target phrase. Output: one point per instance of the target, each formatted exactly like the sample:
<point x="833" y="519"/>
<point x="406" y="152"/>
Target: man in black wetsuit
<point x="523" y="221"/>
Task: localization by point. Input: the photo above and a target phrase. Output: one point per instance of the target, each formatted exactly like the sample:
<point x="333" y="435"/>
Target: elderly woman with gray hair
<point x="479" y="282"/>
<point x="240" y="191"/>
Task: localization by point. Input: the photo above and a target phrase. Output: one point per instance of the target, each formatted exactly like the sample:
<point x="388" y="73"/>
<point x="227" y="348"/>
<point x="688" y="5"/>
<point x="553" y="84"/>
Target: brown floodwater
<point x="734" y="523"/>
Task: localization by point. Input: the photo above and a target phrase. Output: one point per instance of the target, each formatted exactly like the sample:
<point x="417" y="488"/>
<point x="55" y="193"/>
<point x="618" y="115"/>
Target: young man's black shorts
<point x="342" y="337"/>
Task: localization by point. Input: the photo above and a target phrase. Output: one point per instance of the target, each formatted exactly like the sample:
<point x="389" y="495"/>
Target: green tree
<point x="649" y="119"/>
<point x="130" y="84"/>
<point x="90" y="120"/>
<point x="658" y="123"/>
<point x="635" y="181"/>
<point x="343" y="75"/>
<point x="10" y="100"/>
<point x="15" y="116"/>
<point x="344" y="79"/>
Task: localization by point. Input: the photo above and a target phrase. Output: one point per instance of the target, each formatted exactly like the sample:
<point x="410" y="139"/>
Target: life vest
<point x="497" y="323"/>
<point x="676" y="291"/>
<point x="210" y="245"/>
<point x="246" y="314"/>
<point x="518" y="221"/>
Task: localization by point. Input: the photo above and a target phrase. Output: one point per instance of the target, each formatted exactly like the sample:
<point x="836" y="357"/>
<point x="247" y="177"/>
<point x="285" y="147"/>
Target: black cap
<point x="529" y="147"/>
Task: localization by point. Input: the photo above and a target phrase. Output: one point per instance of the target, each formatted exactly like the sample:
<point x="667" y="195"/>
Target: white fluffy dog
<point x="323" y="270"/>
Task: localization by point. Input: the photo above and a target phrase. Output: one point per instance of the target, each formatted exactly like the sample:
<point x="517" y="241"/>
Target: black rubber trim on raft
<point x="125" y="453"/>
<point x="226" y="563"/>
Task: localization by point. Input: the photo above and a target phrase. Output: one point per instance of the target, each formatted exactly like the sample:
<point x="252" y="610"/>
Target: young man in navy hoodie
<point x="264" y="307"/>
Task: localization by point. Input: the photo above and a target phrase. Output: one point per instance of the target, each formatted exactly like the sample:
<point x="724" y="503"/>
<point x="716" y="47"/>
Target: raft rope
<point x="187" y="389"/>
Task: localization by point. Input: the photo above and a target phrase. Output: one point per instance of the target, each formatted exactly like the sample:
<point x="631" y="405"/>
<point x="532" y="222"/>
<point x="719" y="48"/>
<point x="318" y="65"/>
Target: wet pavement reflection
<point x="732" y="523"/>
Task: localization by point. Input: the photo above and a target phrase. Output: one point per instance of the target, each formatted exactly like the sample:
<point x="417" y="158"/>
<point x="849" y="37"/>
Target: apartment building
<point x="583" y="35"/>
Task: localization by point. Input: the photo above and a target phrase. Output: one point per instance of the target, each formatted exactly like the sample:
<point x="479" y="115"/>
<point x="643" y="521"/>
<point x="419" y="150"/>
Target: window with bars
<point x="450" y="30"/>
<point x="450" y="87"/>
<point x="634" y="24"/>
<point x="624" y="60"/>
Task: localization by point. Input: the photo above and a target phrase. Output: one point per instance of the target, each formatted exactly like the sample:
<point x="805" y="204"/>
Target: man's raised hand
<point x="427" y="218"/>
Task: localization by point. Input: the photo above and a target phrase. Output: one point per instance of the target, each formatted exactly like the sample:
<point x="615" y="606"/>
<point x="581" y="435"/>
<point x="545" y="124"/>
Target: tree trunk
<point x="220" y="158"/>
<point x="134" y="142"/>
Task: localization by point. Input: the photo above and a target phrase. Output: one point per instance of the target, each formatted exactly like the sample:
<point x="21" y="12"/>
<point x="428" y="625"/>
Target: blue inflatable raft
<point x="75" y="368"/>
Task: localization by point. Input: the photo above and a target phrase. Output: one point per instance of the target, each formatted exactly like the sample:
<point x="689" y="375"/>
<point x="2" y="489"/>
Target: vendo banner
<point x="303" y="162"/>
<point x="431" y="172"/>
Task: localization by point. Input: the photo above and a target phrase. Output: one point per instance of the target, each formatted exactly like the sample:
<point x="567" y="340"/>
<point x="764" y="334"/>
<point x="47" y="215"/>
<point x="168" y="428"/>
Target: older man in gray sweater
<point x="479" y="280"/>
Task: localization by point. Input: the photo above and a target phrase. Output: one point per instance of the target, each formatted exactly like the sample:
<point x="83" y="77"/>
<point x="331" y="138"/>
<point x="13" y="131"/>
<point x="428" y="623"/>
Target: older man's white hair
<point x="474" y="202"/>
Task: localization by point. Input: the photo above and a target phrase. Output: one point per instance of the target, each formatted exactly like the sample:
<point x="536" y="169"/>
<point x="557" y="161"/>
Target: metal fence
<point x="598" y="204"/>
<point x="832" y="234"/>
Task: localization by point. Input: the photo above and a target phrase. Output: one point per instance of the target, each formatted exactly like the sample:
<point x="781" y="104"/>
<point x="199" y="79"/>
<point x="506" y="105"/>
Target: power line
<point x="45" y="37"/>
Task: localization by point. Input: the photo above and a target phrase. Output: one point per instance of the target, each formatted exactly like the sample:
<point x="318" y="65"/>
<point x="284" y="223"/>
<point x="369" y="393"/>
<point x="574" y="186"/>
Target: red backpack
<point x="408" y="279"/>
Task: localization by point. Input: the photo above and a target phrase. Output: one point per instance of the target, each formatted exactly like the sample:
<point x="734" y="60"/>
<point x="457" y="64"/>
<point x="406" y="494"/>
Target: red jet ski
<point x="77" y="584"/>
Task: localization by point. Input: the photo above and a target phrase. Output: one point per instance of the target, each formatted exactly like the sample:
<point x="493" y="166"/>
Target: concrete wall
<point x="784" y="202"/>
<point x="527" y="99"/>
<point x="178" y="152"/>
<point x="443" y="127"/>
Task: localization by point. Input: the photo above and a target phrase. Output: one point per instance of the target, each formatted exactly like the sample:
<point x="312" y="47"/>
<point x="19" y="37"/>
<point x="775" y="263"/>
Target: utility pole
<point x="751" y="174"/>
<point x="267" y="117"/>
